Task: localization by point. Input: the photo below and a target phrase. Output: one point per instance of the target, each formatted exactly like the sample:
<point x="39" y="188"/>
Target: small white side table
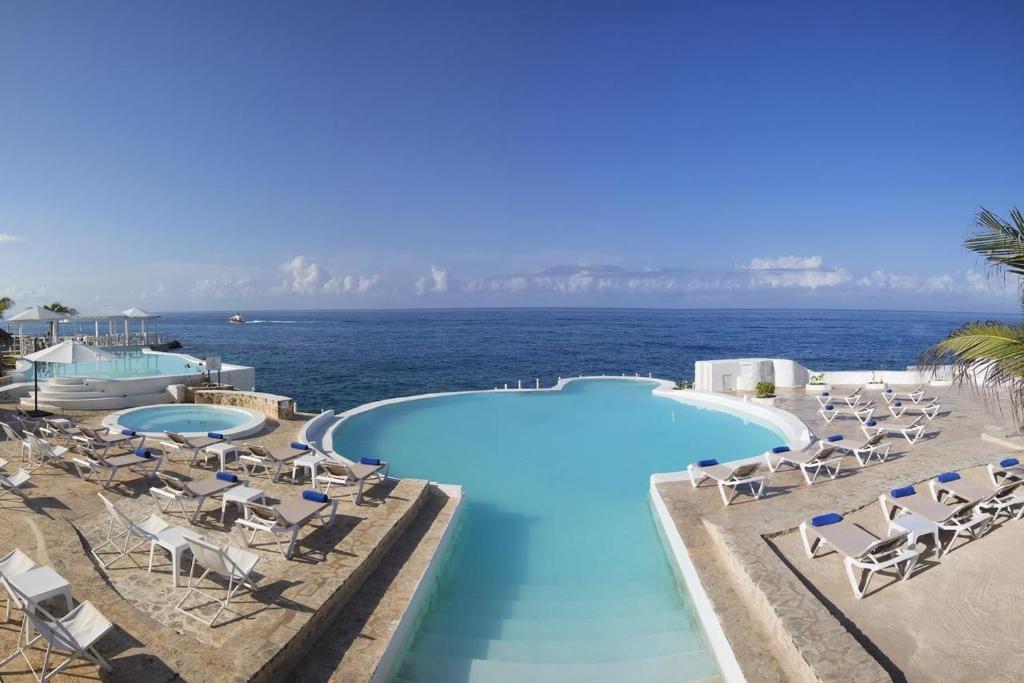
<point x="222" y="451"/>
<point x="916" y="526"/>
<point x="310" y="462"/>
<point x="41" y="583"/>
<point x="174" y="541"/>
<point x="240" y="495"/>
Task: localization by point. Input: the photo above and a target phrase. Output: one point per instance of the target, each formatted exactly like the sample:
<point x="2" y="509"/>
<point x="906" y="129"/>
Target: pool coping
<point x="797" y="434"/>
<point x="252" y="426"/>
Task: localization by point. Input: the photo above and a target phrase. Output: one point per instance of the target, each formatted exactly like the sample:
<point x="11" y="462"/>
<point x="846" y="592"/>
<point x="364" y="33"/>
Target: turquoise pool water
<point x="127" y="365"/>
<point x="183" y="418"/>
<point x="557" y="572"/>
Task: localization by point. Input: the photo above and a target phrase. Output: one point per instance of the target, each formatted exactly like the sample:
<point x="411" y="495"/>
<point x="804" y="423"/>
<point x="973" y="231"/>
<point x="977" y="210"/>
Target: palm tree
<point x="58" y="307"/>
<point x="6" y="303"/>
<point x="990" y="355"/>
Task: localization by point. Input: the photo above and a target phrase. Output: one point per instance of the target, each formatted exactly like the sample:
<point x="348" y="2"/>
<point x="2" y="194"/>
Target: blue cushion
<point x="707" y="463"/>
<point x="834" y="437"/>
<point x="947" y="477"/>
<point x="888" y="391"/>
<point x="369" y="461"/>
<point x="825" y="393"/>
<point x="299" y="446"/>
<point x="826" y="519"/>
<point x="143" y="453"/>
<point x="871" y="423"/>
<point x="227" y="476"/>
<point x="898" y="403"/>
<point x="1009" y="462"/>
<point x="830" y="407"/>
<point x="902" y="492"/>
<point x="315" y="496"/>
<point x="780" y="449"/>
<point x="215" y="435"/>
<point x="129" y="432"/>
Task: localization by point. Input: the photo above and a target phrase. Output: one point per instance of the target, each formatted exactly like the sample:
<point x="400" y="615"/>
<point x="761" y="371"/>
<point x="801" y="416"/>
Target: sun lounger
<point x="336" y="471"/>
<point x="14" y="564"/>
<point x="233" y="565"/>
<point x="998" y="499"/>
<point x="911" y="431"/>
<point x="287" y="518"/>
<point x="90" y="464"/>
<point x="1006" y="469"/>
<point x="11" y="485"/>
<point x="915" y="395"/>
<point x="830" y="412"/>
<point x="860" y="549"/>
<point x="177" y="491"/>
<point x="728" y="476"/>
<point x="102" y="440"/>
<point x="929" y="410"/>
<point x="260" y="459"/>
<point x="191" y="446"/>
<point x="810" y="463"/>
<point x="961" y="518"/>
<point x="855" y="399"/>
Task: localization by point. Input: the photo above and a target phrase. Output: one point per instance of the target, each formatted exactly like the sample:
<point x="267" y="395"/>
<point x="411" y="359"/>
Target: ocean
<point x="341" y="359"/>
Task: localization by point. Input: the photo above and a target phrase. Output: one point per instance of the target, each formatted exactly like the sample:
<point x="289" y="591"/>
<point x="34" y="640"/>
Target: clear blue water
<point x="557" y="572"/>
<point x="134" y="364"/>
<point x="360" y="356"/>
<point x="182" y="418"/>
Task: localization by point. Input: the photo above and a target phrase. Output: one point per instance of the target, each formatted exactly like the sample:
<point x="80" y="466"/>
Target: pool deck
<point x="329" y="612"/>
<point x="788" y="617"/>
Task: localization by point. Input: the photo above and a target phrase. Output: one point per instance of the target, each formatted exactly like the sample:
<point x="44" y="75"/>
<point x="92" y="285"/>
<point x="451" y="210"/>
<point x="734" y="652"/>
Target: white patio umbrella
<point x="35" y="314"/>
<point x="70" y="351"/>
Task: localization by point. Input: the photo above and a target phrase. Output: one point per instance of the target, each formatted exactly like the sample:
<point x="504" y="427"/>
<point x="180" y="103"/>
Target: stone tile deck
<point x="789" y="618"/>
<point x="152" y="641"/>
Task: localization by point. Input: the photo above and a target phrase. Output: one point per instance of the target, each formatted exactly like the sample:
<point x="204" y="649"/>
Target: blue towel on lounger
<point x="299" y="446"/>
<point x="898" y="403"/>
<point x="707" y="463"/>
<point x="826" y="519"/>
<point x="143" y="453"/>
<point x="227" y="476"/>
<point x="215" y="435"/>
<point x="947" y="477"/>
<point x="871" y="423"/>
<point x="825" y="393"/>
<point x="834" y="437"/>
<point x="369" y="461"/>
<point x="780" y="449"/>
<point x="830" y="407"/>
<point x="1009" y="462"/>
<point x="129" y="432"/>
<point x="315" y="496"/>
<point x="903" y="492"/>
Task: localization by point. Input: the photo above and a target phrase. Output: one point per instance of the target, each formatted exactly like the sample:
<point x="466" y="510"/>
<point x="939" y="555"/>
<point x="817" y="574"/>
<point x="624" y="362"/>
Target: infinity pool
<point x="124" y="365"/>
<point x="557" y="572"/>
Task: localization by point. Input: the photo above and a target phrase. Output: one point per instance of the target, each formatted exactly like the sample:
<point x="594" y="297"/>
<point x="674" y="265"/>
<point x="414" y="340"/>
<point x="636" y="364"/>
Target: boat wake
<point x="278" y="322"/>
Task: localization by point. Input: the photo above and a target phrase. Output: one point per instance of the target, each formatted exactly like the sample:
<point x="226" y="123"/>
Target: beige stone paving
<point x="297" y="599"/>
<point x="753" y="589"/>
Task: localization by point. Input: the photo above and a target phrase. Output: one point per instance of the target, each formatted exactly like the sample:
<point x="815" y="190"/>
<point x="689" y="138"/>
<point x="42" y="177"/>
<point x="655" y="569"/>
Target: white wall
<point x="742" y="374"/>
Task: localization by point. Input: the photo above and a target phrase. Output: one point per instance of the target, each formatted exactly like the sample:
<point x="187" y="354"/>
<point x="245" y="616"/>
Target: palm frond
<point x="999" y="241"/>
<point x="988" y="356"/>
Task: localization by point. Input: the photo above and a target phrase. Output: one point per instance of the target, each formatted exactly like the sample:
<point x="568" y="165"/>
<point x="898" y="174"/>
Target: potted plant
<point x="764" y="392"/>
<point x="683" y="384"/>
<point x="817" y="383"/>
<point x="876" y="383"/>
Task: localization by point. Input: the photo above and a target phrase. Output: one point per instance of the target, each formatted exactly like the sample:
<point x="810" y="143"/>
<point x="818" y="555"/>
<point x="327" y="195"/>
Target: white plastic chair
<point x="44" y="452"/>
<point x="11" y="485"/>
<point x="123" y="529"/>
<point x="14" y="564"/>
<point x="13" y="437"/>
<point x="74" y="634"/>
<point x="232" y="564"/>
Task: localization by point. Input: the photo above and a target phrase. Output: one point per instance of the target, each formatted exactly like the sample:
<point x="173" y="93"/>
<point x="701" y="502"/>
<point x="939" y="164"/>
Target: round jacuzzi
<point x="188" y="420"/>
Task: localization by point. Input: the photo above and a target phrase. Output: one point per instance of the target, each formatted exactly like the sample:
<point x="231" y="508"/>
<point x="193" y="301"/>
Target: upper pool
<point x="125" y="365"/>
<point x="557" y="573"/>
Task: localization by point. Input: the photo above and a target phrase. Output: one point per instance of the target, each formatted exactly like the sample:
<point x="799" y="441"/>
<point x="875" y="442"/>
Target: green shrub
<point x="765" y="389"/>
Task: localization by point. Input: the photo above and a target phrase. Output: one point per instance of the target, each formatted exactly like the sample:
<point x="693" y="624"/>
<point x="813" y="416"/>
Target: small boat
<point x="236" y="319"/>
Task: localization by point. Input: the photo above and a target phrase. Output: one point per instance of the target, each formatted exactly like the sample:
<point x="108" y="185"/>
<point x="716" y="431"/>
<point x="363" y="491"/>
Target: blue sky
<point x="365" y="155"/>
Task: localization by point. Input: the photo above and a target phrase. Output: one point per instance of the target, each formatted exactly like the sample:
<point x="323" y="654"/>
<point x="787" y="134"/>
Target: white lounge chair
<point x="15" y="438"/>
<point x="810" y="463"/>
<point x="191" y="447"/>
<point x="92" y="463"/>
<point x="74" y="634"/>
<point x="910" y="431"/>
<point x="958" y="519"/>
<point x="260" y="459"/>
<point x="176" y="491"/>
<point x="336" y="471"/>
<point x="915" y="395"/>
<point x="101" y="440"/>
<point x="855" y="399"/>
<point x="287" y="518"/>
<point x="231" y="564"/>
<point x="14" y="564"/>
<point x="860" y="549"/>
<point x="1006" y="469"/>
<point x="929" y="410"/>
<point x="11" y="485"/>
<point x="999" y="499"/>
<point x="726" y="476"/>
<point x="830" y="412"/>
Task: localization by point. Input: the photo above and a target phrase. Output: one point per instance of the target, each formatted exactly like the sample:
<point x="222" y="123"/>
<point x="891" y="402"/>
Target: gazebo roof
<point x="138" y="314"/>
<point x="35" y="314"/>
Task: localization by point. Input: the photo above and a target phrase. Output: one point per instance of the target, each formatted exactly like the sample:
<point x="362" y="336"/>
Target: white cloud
<point x="437" y="282"/>
<point x="350" y="284"/>
<point x="6" y="237"/>
<point x="785" y="263"/>
<point x="226" y="287"/>
<point x="304" y="277"/>
<point x="799" y="272"/>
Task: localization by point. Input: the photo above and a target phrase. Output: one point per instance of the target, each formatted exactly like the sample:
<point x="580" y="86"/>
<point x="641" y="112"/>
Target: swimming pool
<point x="557" y="573"/>
<point x="188" y="419"/>
<point x="125" y="365"/>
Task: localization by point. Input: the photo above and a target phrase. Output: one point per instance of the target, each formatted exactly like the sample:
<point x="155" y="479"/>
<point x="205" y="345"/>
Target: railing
<point x="536" y="382"/>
